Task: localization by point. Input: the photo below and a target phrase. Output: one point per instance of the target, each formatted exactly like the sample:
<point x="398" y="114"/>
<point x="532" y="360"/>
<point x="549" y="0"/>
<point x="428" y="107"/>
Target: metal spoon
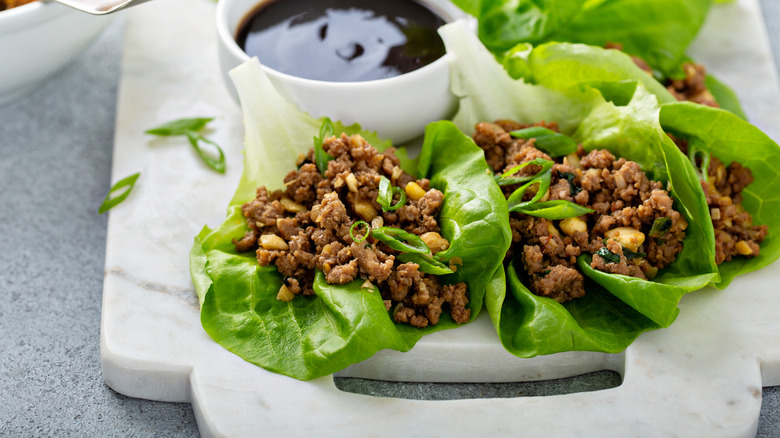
<point x="100" y="7"/>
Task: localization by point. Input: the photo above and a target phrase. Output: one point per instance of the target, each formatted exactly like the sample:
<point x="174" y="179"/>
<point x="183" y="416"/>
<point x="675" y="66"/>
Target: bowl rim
<point x="228" y="41"/>
<point x="33" y="11"/>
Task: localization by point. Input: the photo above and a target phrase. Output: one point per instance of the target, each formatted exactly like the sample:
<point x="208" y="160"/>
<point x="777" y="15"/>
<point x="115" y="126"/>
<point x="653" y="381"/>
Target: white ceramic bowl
<point x="38" y="39"/>
<point x="397" y="108"/>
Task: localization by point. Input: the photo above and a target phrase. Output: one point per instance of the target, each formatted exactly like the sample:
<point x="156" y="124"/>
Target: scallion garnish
<point x="696" y="153"/>
<point x="189" y="128"/>
<point x="553" y="210"/>
<point x="110" y="202"/>
<point x="568" y="176"/>
<point x="426" y="263"/>
<point x="506" y="178"/>
<point x="608" y="255"/>
<point x="633" y="255"/>
<point x="387" y="193"/>
<point x="554" y="143"/>
<point x="321" y="157"/>
<point x="355" y="226"/>
<point x="400" y="240"/>
<point x="660" y="226"/>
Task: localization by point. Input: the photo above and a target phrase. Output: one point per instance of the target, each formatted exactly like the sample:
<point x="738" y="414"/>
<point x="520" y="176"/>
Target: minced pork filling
<point x="735" y="233"/>
<point x="322" y="221"/>
<point x="633" y="230"/>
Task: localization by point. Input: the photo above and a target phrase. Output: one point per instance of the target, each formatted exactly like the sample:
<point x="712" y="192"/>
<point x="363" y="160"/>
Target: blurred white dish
<point x="38" y="39"/>
<point x="397" y="108"/>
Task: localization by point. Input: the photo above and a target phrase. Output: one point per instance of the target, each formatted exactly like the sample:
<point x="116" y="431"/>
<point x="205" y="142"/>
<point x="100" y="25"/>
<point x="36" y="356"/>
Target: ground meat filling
<point x="735" y="234"/>
<point x="692" y="87"/>
<point x="634" y="229"/>
<point x="307" y="227"/>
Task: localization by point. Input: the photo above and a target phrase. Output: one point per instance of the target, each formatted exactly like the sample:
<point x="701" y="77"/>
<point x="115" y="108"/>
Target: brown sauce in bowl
<point x="342" y="40"/>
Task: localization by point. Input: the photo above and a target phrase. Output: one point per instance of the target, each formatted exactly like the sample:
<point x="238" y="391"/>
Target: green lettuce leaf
<point x="658" y="31"/>
<point x="309" y="337"/>
<point x="631" y="131"/>
<point x="730" y="138"/>
<point x="529" y="325"/>
<point x="611" y="71"/>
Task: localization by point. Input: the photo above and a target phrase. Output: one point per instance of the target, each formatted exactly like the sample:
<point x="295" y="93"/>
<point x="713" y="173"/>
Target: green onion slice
<point x="506" y="178"/>
<point x="216" y="164"/>
<point x="660" y="226"/>
<point x="189" y="128"/>
<point x="515" y="200"/>
<point x="110" y="202"/>
<point x="554" y="143"/>
<point x="702" y="153"/>
<point x="321" y="158"/>
<point x="357" y="224"/>
<point x="553" y="210"/>
<point x="608" y="255"/>
<point x="400" y="240"/>
<point x="568" y="176"/>
<point x="427" y="264"/>
<point x="386" y="194"/>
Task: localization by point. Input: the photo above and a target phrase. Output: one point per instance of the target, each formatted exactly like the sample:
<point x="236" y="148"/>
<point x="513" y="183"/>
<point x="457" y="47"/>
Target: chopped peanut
<point x="572" y="225"/>
<point x="285" y="294"/>
<point x="743" y="248"/>
<point x="435" y="242"/>
<point x="273" y="242"/>
<point x="365" y="210"/>
<point x="291" y="206"/>
<point x="414" y="191"/>
<point x="572" y="160"/>
<point x="627" y="237"/>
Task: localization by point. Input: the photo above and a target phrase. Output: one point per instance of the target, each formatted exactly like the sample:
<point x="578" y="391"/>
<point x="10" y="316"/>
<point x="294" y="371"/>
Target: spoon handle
<point x="100" y="7"/>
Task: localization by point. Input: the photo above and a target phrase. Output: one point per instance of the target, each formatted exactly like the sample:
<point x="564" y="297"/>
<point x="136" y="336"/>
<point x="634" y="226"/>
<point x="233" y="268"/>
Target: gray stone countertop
<point x="55" y="165"/>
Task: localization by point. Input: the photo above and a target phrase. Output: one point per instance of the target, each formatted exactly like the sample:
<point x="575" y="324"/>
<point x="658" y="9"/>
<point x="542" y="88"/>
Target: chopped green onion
<point x="426" y="263"/>
<point x="321" y="158"/>
<point x="695" y="152"/>
<point x="553" y="210"/>
<point x="386" y="194"/>
<point x="400" y="240"/>
<point x="608" y="255"/>
<point x="355" y="226"/>
<point x="660" y="226"/>
<point x="327" y="129"/>
<point x="568" y="176"/>
<point x="633" y="255"/>
<point x="506" y="178"/>
<point x="515" y="200"/>
<point x="217" y="164"/>
<point x="179" y="127"/>
<point x="189" y="128"/>
<point x="554" y="143"/>
<point x="109" y="202"/>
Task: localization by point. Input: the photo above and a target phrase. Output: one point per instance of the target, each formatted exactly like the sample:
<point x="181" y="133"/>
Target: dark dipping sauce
<point x="342" y="40"/>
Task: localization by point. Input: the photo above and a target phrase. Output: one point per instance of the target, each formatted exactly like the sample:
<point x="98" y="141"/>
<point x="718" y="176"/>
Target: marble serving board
<point x="700" y="377"/>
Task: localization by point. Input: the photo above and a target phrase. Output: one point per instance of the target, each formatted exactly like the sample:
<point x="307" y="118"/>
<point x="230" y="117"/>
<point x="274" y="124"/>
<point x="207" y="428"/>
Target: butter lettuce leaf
<point x="658" y="31"/>
<point x="530" y="325"/>
<point x="631" y="130"/>
<point x="730" y="138"/>
<point x="310" y="337"/>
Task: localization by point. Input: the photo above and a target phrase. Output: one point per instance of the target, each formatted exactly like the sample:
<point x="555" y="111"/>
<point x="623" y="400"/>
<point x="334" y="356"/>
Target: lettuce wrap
<point x="729" y="138"/>
<point x="719" y="132"/>
<point x="616" y="308"/>
<point x="340" y="325"/>
<point x="657" y="31"/>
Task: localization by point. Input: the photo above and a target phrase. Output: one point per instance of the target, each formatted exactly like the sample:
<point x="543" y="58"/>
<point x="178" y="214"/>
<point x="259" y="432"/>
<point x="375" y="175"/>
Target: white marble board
<point x="700" y="377"/>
